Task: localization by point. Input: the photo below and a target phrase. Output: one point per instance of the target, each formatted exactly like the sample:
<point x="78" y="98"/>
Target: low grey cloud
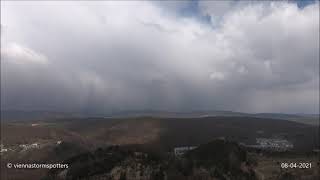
<point x="103" y="56"/>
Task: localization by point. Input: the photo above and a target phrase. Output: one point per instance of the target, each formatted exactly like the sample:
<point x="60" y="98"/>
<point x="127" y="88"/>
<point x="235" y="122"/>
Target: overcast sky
<point x="103" y="56"/>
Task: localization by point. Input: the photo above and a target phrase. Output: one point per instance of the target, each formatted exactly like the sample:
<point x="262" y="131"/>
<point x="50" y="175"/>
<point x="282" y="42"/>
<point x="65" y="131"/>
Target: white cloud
<point x="18" y="54"/>
<point x="242" y="70"/>
<point x="132" y="55"/>
<point x="217" y="76"/>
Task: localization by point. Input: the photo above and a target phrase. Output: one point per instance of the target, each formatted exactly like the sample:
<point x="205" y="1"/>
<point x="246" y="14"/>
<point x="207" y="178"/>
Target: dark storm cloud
<point x="104" y="56"/>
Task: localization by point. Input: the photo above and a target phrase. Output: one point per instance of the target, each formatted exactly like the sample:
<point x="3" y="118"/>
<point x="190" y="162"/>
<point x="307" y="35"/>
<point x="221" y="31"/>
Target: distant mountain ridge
<point x="20" y="115"/>
<point x="10" y="115"/>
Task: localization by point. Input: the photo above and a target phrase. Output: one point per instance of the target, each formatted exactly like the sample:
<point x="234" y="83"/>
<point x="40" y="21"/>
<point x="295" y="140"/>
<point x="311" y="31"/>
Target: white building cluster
<point x="2" y="149"/>
<point x="272" y="144"/>
<point x="26" y="147"/>
<point x="178" y="151"/>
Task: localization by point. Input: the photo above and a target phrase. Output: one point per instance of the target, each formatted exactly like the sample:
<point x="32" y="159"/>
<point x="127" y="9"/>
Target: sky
<point x="106" y="56"/>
